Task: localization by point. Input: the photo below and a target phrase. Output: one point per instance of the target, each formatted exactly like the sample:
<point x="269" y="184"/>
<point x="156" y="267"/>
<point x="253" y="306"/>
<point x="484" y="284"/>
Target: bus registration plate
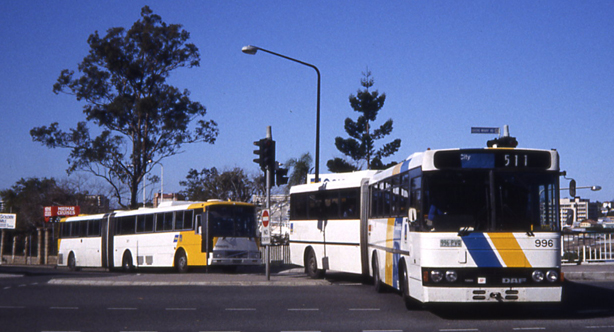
<point x="450" y="243"/>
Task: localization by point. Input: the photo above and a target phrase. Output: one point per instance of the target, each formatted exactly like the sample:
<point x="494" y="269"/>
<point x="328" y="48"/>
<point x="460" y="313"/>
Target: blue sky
<point x="545" y="68"/>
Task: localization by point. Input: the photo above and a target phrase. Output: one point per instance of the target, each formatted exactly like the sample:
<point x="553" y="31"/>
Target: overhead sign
<point x="484" y="130"/>
<point x="266" y="228"/>
<point x="61" y="211"/>
<point x="8" y="221"/>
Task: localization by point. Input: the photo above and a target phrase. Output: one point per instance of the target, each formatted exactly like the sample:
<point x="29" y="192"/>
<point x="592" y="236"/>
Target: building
<point x="163" y="198"/>
<point x="577" y="209"/>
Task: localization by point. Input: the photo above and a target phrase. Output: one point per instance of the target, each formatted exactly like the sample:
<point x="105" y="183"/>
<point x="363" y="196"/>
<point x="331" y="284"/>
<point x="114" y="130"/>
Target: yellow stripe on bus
<point x="191" y="243"/>
<point x="509" y="250"/>
<point x="389" y="259"/>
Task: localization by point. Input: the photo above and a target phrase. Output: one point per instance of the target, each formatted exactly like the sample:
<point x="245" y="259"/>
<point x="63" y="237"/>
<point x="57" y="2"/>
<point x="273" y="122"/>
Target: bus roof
<point x="167" y="206"/>
<point x="335" y="181"/>
<point x="426" y="159"/>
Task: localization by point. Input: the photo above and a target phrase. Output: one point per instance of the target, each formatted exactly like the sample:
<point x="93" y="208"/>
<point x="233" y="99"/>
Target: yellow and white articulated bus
<point x="175" y="234"/>
<point x="443" y="226"/>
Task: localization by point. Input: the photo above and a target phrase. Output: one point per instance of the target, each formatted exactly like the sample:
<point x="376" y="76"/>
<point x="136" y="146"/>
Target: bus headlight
<point x="552" y="276"/>
<point x="436" y="276"/>
<point x="451" y="276"/>
<point x="538" y="276"/>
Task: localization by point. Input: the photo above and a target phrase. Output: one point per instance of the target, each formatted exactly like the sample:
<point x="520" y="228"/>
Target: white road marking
<point x="303" y="309"/>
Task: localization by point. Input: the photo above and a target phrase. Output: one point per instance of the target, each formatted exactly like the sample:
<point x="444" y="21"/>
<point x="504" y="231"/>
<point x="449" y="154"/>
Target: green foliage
<point x="360" y="146"/>
<point x="207" y="184"/>
<point x="28" y="197"/>
<point x="300" y="169"/>
<point x="142" y="119"/>
<point x="340" y="165"/>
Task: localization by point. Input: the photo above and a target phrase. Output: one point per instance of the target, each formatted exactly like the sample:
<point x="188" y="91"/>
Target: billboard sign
<point x="8" y="221"/>
<point x="60" y="211"/>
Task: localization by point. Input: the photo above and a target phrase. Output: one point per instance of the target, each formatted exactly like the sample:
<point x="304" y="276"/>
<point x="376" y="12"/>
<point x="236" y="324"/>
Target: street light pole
<point x="252" y="50"/>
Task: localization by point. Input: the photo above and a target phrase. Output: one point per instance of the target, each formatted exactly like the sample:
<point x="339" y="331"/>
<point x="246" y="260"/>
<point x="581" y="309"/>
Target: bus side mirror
<point x="412" y="215"/>
<point x="198" y="228"/>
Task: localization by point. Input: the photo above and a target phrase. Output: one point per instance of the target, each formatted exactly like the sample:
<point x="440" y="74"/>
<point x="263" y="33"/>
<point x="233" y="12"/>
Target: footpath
<point x="255" y="276"/>
<point x="250" y="277"/>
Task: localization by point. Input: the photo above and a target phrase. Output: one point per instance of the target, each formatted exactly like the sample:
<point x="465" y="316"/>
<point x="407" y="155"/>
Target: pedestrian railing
<point x="280" y="254"/>
<point x="588" y="247"/>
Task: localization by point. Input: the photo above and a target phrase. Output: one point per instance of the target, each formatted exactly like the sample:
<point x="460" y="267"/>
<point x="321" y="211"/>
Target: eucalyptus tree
<point x="141" y="119"/>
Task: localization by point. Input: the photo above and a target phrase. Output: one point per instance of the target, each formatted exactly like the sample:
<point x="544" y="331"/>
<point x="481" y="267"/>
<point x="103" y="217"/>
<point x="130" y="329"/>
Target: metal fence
<point x="588" y="247"/>
<point x="280" y="254"/>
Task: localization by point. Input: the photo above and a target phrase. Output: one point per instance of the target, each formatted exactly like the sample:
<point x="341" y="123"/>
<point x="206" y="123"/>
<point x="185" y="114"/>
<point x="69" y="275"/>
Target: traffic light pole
<point x="267" y="249"/>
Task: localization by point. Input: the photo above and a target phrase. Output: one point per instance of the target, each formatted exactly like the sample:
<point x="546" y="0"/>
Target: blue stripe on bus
<point x="480" y="250"/>
<point x="405" y="165"/>
<point x="398" y="229"/>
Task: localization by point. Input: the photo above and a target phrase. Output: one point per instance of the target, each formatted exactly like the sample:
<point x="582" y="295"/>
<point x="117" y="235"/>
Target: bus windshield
<point x="490" y="201"/>
<point x="232" y="220"/>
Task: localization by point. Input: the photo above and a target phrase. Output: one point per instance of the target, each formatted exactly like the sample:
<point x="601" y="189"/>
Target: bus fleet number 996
<point x="544" y="243"/>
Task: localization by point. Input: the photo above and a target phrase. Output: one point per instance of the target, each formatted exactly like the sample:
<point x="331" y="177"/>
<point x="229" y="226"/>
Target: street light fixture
<point x="250" y="49"/>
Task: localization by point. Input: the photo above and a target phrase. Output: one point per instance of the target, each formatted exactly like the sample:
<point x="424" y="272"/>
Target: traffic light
<point x="260" y="153"/>
<point x="265" y="153"/>
<point x="268" y="155"/>
<point x="281" y="177"/>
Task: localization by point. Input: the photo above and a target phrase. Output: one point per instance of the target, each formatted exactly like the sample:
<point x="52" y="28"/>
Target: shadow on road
<point x="580" y="301"/>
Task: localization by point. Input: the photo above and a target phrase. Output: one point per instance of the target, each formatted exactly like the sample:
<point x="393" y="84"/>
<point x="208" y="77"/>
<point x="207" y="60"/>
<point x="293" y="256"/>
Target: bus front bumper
<point x="492" y="294"/>
<point x="236" y="258"/>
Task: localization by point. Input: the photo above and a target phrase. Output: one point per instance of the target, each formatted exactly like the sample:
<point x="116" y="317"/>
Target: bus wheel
<point x="72" y="262"/>
<point x="410" y="303"/>
<point x="377" y="281"/>
<point x="127" y="265"/>
<point x="181" y="262"/>
<point x="311" y="266"/>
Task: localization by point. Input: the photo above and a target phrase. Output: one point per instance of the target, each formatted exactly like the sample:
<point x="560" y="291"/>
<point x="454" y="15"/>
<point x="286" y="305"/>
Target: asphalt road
<point x="29" y="303"/>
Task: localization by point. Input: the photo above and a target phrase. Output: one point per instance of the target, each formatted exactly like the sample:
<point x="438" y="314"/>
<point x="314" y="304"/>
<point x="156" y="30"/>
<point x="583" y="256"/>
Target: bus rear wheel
<point x="181" y="262"/>
<point x="127" y="265"/>
<point x="72" y="262"/>
<point x="311" y="266"/>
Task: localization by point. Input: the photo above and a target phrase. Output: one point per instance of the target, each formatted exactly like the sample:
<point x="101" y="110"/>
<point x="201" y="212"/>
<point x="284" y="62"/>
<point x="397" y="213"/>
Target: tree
<point x="232" y="185"/>
<point x="360" y="146"/>
<point x="142" y="119"/>
<point x="300" y="169"/>
<point x="28" y="197"/>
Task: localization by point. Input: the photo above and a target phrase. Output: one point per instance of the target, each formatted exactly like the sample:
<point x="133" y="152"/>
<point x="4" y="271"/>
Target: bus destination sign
<point x="487" y="159"/>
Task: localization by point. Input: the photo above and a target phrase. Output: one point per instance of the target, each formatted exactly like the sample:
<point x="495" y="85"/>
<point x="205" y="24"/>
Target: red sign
<point x="61" y="211"/>
<point x="265" y="218"/>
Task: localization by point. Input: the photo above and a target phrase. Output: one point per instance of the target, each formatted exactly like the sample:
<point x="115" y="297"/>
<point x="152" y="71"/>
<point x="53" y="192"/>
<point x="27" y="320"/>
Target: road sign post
<point x="266" y="228"/>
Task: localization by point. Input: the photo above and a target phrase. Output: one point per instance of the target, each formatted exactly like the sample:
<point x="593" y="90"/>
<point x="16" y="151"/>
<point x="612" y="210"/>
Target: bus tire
<point x="410" y="303"/>
<point x="377" y="280"/>
<point x="311" y="265"/>
<point x="127" y="265"/>
<point x="72" y="262"/>
<point x="181" y="261"/>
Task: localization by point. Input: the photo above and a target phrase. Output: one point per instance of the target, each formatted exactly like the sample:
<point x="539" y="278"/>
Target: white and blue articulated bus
<point x="443" y="226"/>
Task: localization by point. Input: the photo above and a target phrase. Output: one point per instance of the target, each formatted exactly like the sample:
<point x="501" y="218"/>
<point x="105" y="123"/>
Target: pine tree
<point x="360" y="146"/>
